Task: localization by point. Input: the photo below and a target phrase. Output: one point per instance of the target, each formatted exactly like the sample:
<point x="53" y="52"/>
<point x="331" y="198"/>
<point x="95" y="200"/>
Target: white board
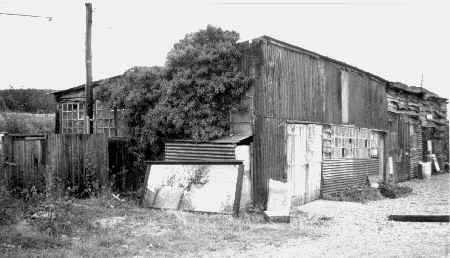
<point x="206" y="188"/>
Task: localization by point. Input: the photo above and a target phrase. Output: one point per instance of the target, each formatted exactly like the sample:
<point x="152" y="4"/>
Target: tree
<point x="191" y="97"/>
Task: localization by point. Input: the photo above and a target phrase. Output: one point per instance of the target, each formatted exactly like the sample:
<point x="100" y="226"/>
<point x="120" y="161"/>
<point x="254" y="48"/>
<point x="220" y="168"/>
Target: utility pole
<point x="88" y="88"/>
<point x="421" y="80"/>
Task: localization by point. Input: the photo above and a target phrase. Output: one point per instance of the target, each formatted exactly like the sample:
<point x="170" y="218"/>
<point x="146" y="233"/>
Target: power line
<point x="49" y="18"/>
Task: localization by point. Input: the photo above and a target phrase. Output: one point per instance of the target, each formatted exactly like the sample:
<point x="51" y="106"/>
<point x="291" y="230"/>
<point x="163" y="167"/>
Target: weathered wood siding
<point x="398" y="145"/>
<point x="295" y="85"/>
<point x="24" y="160"/>
<point x="78" y="160"/>
<point x="52" y="163"/>
<point x="124" y="175"/>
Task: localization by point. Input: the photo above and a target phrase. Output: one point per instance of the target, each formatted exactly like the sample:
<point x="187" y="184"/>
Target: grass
<point x="105" y="227"/>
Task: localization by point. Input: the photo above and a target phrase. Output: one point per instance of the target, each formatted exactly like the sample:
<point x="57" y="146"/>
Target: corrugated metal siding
<point x="269" y="156"/>
<point x="297" y="87"/>
<point x="178" y="151"/>
<point x="338" y="175"/>
<point x="292" y="85"/>
<point x="416" y="151"/>
<point x="367" y="107"/>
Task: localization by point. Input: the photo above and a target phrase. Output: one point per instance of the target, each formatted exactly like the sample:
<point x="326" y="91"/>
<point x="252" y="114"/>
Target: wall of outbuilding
<point x="292" y="84"/>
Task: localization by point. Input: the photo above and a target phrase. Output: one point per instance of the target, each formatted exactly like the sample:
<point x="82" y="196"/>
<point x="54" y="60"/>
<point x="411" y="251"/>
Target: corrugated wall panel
<point x="291" y="84"/>
<point x="295" y="86"/>
<point x="298" y="86"/>
<point x="416" y="151"/>
<point x="269" y="156"/>
<point x="338" y="175"/>
<point x="198" y="151"/>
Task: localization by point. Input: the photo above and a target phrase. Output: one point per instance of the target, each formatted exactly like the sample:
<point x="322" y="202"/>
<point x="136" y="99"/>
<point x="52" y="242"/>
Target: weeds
<point x="366" y="194"/>
<point x="362" y="195"/>
<point x="393" y="191"/>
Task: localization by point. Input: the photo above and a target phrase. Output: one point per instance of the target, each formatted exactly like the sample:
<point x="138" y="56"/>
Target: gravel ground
<point x="362" y="230"/>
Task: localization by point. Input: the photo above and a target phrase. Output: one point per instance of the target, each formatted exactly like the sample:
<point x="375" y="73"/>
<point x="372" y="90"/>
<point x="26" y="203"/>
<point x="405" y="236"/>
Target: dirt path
<point x="358" y="230"/>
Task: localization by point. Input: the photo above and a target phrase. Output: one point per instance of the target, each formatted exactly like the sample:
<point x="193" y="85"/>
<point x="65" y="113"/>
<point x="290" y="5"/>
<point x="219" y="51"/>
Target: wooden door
<point x="304" y="162"/>
<point x="404" y="149"/>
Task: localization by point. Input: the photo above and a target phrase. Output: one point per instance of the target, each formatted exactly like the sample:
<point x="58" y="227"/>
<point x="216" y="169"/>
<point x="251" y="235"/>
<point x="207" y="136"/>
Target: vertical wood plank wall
<point x="23" y="161"/>
<point x="55" y="162"/>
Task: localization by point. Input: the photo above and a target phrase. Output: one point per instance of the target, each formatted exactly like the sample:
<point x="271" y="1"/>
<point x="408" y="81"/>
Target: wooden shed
<point x="70" y="116"/>
<point x="417" y="129"/>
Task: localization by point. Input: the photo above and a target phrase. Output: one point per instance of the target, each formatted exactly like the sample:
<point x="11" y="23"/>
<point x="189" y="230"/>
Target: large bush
<point x="191" y="97"/>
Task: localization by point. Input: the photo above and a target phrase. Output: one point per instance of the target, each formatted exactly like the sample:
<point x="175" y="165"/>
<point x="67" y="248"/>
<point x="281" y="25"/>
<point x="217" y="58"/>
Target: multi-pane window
<point x="345" y="142"/>
<point x="73" y="118"/>
<point x="104" y="120"/>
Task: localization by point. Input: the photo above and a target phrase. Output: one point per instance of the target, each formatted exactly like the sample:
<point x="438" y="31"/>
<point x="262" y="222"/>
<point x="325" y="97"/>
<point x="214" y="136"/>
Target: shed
<point x="306" y="132"/>
<point x="417" y="126"/>
<point x="70" y="116"/>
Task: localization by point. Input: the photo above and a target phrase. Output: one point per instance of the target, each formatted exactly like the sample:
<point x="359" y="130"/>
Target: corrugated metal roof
<point x="414" y="90"/>
<point x="81" y="87"/>
<point x="234" y="139"/>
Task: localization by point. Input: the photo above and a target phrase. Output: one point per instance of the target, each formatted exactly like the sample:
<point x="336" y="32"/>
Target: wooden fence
<point x="56" y="163"/>
<point x="24" y="160"/>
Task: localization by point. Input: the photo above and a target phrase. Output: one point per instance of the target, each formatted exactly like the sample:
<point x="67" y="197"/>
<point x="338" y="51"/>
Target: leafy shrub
<point x="190" y="97"/>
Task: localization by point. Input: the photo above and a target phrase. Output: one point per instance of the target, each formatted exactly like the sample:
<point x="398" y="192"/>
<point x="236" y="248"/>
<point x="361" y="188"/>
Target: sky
<point x="398" y="40"/>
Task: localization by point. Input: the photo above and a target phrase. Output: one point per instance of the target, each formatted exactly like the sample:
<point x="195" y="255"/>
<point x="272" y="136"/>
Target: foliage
<point x="26" y="123"/>
<point x="27" y="100"/>
<point x="394" y="190"/>
<point x="191" y="97"/>
<point x="355" y="194"/>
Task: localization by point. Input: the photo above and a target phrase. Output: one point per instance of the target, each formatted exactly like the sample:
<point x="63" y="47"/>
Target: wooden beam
<point x="88" y="87"/>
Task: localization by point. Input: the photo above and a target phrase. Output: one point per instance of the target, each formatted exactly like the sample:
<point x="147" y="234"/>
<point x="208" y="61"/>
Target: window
<point x="73" y="118"/>
<point x="345" y="142"/>
<point x="104" y="120"/>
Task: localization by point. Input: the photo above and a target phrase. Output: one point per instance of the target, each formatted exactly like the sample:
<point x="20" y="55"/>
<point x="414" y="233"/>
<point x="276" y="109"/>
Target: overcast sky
<point x="397" y="40"/>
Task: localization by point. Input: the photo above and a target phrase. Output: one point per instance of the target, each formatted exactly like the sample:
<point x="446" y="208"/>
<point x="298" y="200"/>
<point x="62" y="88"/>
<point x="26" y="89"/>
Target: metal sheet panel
<point x="416" y="150"/>
<point x="304" y="157"/>
<point x="338" y="175"/>
<point x="297" y="86"/>
<point x="177" y="151"/>
<point x="269" y="156"/>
